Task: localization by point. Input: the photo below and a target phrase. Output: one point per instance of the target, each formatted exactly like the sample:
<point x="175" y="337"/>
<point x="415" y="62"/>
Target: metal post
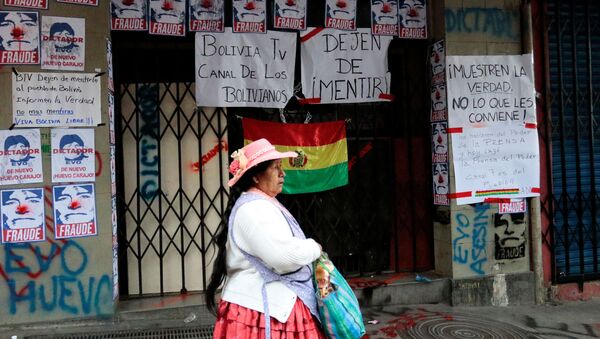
<point x="535" y="217"/>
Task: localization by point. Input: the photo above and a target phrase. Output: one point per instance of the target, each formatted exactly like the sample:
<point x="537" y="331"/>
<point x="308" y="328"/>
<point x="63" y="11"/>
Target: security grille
<point x="166" y="333"/>
<point x="574" y="60"/>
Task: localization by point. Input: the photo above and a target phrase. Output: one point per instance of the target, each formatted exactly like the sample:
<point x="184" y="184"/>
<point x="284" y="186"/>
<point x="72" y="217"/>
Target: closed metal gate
<point x="574" y="71"/>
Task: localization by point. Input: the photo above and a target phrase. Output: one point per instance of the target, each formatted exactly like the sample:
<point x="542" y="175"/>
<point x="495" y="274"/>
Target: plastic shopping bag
<point x="338" y="308"/>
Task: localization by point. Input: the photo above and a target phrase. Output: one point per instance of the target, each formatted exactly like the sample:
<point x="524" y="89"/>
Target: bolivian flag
<point x="322" y="163"/>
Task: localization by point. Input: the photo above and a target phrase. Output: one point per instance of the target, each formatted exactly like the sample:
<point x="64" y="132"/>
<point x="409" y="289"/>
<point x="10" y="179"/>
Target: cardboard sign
<point x="24" y="50"/>
<point x="74" y="211"/>
<point x="290" y="14"/>
<point x="344" y="67"/>
<point x="20" y="157"/>
<point x="63" y="43"/>
<point x="73" y="155"/>
<point x="55" y="99"/>
<point x="245" y="70"/>
<point x="23" y="216"/>
<point x="206" y="15"/>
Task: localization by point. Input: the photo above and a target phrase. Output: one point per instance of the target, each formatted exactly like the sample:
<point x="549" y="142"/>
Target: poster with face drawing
<point x="290" y="14"/>
<point x="35" y="4"/>
<point x="413" y="19"/>
<point x="439" y="142"/>
<point x="129" y="15"/>
<point x="340" y="14"/>
<point x="74" y="211"/>
<point x="73" y="155"/>
<point x="63" y="43"/>
<point x="22" y="215"/>
<point x="441" y="185"/>
<point x="20" y="157"/>
<point x="249" y="16"/>
<point x="384" y="17"/>
<point x="510" y="236"/>
<point x="438" y="58"/>
<point x="19" y="38"/>
<point x="167" y="17"/>
<point x="206" y="15"/>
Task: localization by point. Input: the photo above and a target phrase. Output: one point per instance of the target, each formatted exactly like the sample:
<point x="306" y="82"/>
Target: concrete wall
<point x="465" y="237"/>
<point x="62" y="279"/>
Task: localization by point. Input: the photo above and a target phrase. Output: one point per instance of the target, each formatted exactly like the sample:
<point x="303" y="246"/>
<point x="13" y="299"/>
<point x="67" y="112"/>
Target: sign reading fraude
<point x="74" y="211"/>
<point x="73" y="155"/>
<point x="245" y="70"/>
<point x="344" y="67"/>
<point x="22" y="215"/>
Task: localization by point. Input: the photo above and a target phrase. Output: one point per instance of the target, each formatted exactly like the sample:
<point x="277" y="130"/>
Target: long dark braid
<point x="219" y="268"/>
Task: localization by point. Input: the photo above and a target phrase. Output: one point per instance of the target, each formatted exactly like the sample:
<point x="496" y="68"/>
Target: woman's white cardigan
<point x="262" y="231"/>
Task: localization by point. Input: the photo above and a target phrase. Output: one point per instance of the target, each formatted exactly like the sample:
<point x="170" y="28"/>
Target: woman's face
<point x="271" y="180"/>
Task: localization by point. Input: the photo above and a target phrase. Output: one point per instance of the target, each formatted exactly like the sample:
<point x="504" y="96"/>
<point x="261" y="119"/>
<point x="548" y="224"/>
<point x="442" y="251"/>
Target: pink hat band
<point x="252" y="154"/>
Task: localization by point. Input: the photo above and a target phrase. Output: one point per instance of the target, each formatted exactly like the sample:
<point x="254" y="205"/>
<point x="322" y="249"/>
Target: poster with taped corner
<point x="20" y="157"/>
<point x="19" y="38"/>
<point x="23" y="216"/>
<point x="249" y="16"/>
<point x="33" y="4"/>
<point x="167" y="17"/>
<point x="73" y="155"/>
<point x="492" y="123"/>
<point x="55" y="99"/>
<point x="245" y="70"/>
<point x="344" y="67"/>
<point x="340" y="14"/>
<point x="74" y="211"/>
<point x="206" y="15"/>
<point x="412" y="19"/>
<point x="129" y="15"/>
<point x="384" y="17"/>
<point x="63" y="43"/>
<point x="290" y="14"/>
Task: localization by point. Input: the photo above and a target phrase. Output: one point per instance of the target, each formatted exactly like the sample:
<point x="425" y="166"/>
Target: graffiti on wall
<point x="148" y="129"/>
<point x="469" y="246"/>
<point x="51" y="276"/>
<point x="496" y="22"/>
<point x="509" y="236"/>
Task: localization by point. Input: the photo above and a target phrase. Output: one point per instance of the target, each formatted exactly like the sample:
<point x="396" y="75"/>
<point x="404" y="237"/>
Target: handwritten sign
<point x="55" y="99"/>
<point x="344" y="67"/>
<point x="491" y="117"/>
<point x="20" y="157"/>
<point x="73" y="155"/>
<point x="245" y="70"/>
<point x="63" y="43"/>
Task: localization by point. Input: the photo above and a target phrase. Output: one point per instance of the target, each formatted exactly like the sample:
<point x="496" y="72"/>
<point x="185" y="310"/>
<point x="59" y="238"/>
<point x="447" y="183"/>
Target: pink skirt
<point x="235" y="321"/>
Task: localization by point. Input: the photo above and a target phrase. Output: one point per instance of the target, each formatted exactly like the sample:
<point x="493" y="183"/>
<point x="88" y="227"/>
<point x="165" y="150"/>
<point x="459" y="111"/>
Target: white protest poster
<point x="245" y="70"/>
<point x="492" y="121"/>
<point x="20" y="157"/>
<point x="384" y="17"/>
<point x="249" y="16"/>
<point x="130" y="15"/>
<point x="73" y="155"/>
<point x="206" y="15"/>
<point x="74" y="211"/>
<point x="19" y="38"/>
<point x="35" y="4"/>
<point x="55" y="99"/>
<point x="167" y="17"/>
<point x="340" y="14"/>
<point x="63" y="43"/>
<point x="290" y="14"/>
<point x="23" y="217"/>
<point x="344" y="67"/>
<point x="413" y="19"/>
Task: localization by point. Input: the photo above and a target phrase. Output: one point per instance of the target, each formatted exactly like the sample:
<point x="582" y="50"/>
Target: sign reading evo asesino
<point x="245" y="70"/>
<point x="344" y="67"/>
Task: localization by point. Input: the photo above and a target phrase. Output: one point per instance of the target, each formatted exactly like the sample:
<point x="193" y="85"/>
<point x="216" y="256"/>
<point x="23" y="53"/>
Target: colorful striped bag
<point x="338" y="308"/>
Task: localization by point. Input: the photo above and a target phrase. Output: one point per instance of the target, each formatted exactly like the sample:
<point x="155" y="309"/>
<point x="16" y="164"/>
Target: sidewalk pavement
<point x="550" y="320"/>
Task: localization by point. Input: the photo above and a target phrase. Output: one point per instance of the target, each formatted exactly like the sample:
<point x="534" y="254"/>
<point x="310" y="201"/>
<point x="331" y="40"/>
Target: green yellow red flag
<point x="322" y="163"/>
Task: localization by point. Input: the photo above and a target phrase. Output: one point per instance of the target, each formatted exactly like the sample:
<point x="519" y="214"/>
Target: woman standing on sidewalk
<point x="263" y="257"/>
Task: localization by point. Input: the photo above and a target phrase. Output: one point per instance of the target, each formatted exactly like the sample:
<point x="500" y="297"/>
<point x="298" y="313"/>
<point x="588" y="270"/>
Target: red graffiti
<point x="209" y="156"/>
<point x="361" y="154"/>
<point x="99" y="167"/>
<point x="408" y="320"/>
